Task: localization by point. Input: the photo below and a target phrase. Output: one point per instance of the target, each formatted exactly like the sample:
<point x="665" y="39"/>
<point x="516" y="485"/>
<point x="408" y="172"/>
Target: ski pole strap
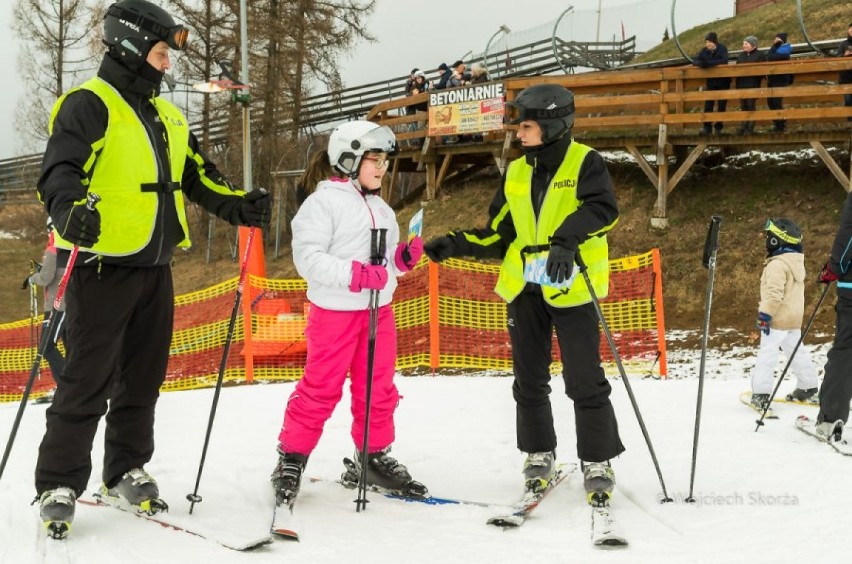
<point x="711" y="244"/>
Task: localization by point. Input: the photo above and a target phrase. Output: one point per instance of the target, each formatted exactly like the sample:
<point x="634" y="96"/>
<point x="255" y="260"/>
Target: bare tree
<point x="55" y="55"/>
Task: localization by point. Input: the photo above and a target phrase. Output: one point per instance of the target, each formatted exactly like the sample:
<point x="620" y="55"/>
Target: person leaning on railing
<point x="779" y="51"/>
<point x="846" y="78"/>
<point x="750" y="54"/>
<point x="713" y="54"/>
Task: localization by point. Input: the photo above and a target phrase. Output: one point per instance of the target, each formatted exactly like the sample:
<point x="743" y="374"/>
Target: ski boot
<point x="384" y="472"/>
<point x="598" y="481"/>
<point x="760" y="401"/>
<point x="287" y="477"/>
<point x="539" y="470"/>
<point x="56" y="508"/>
<point x="828" y="431"/>
<point x="809" y="396"/>
<point x="136" y="489"/>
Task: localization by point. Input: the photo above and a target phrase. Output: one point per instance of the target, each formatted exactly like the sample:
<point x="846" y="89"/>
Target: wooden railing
<point x="659" y="108"/>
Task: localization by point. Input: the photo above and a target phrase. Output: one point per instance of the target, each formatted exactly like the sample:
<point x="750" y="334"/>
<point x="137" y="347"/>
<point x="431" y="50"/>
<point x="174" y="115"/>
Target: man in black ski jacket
<point x="115" y="137"/>
<point x="836" y="391"/>
<point x="555" y="202"/>
<point x="713" y="54"/>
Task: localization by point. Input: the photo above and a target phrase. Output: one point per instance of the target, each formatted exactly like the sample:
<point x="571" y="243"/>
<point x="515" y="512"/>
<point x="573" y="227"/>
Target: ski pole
<point x="91" y="200"/>
<point x="711" y="246"/>
<point x="34" y="336"/>
<point x="193" y="497"/>
<point x="377" y="256"/>
<point x="582" y="266"/>
<point x="792" y="356"/>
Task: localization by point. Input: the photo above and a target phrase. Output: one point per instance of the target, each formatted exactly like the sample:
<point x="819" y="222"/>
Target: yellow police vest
<point x="125" y="174"/>
<point x="559" y="202"/>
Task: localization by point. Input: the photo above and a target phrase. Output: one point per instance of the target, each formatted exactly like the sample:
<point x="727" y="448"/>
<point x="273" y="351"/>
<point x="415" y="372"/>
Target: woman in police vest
<point x="553" y="202"/>
<point x="115" y="137"/>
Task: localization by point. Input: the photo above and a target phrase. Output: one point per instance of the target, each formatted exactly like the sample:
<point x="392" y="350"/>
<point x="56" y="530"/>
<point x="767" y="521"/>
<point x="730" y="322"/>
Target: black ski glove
<point x="255" y="208"/>
<point x="79" y="225"/>
<point x="560" y="263"/>
<point x="440" y="248"/>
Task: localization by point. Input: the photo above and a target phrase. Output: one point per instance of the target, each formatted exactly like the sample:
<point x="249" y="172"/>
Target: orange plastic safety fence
<point x="447" y="317"/>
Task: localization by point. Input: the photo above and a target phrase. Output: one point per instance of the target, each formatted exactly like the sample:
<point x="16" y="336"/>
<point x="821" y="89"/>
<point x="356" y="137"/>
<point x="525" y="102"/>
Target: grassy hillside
<point x="823" y="21"/>
<point x="743" y="189"/>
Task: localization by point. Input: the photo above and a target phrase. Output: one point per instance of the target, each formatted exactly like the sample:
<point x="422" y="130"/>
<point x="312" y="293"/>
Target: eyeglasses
<point x="381" y="162"/>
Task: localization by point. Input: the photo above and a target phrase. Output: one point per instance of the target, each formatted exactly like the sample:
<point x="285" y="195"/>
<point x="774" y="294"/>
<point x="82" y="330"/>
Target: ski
<point x="523" y="509"/>
<point x="227" y="540"/>
<point x="399" y="496"/>
<point x="605" y="531"/>
<point x="745" y="397"/>
<point x="808" y="426"/>
<point x="284" y="525"/>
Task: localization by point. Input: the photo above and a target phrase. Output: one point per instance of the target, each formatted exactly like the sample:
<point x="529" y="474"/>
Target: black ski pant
<point x="118" y="329"/>
<point x="836" y="391"/>
<point x="531" y="323"/>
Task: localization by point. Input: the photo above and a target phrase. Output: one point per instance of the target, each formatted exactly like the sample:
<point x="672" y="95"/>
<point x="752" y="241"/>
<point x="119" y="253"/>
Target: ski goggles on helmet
<point x="516" y="113"/>
<point x="175" y="36"/>
<point x="379" y="140"/>
<point x="770" y="227"/>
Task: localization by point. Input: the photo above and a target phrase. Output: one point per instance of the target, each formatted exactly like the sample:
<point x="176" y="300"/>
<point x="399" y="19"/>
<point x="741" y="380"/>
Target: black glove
<point x="440" y="248"/>
<point x="560" y="263"/>
<point x="256" y="208"/>
<point x="79" y="225"/>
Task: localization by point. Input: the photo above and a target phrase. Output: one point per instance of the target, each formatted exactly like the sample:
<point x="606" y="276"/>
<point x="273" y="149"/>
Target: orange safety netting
<point x="447" y="317"/>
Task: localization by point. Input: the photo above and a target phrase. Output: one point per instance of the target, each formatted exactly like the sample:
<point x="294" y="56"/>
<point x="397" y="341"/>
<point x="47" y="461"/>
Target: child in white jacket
<point x="782" y="306"/>
<point x="332" y="252"/>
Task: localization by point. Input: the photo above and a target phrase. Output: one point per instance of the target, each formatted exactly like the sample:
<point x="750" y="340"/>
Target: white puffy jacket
<point x="332" y="229"/>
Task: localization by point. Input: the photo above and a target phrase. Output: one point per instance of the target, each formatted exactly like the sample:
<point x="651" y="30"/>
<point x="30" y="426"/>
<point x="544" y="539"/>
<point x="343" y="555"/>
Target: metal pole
<point x="711" y="245"/>
<point x="553" y="39"/>
<point x="674" y="35"/>
<point x="598" y="33"/>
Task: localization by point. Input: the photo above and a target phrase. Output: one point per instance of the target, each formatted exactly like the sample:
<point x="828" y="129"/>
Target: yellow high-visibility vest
<point x="559" y="202"/>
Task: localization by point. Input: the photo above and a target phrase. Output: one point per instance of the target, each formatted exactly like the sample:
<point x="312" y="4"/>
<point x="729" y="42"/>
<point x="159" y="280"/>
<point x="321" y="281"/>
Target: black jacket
<point x="82" y="122"/>
<point x="841" y="251"/>
<point x="711" y="58"/>
<point x="754" y="56"/>
<point x="598" y="206"/>
<point x="779" y="52"/>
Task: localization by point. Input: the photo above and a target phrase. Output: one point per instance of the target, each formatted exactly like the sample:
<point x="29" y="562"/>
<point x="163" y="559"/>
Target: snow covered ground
<point x="770" y="496"/>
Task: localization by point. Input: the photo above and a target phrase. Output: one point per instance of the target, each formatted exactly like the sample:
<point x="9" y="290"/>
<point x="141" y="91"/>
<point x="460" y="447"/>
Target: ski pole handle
<point x="378" y="245"/>
<point x="92" y="200"/>
<point x="711" y="244"/>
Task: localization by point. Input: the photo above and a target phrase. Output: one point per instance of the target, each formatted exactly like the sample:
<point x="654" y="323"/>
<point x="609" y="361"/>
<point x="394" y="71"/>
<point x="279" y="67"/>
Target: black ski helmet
<point x="549" y="105"/>
<point x="780" y="232"/>
<point x="132" y="27"/>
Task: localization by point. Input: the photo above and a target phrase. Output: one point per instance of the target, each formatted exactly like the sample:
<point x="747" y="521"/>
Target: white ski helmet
<point x="349" y="142"/>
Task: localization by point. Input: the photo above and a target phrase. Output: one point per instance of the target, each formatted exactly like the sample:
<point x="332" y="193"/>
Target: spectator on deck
<point x="459" y="75"/>
<point x="446" y="73"/>
<point x="843" y="45"/>
<point x="846" y="78"/>
<point x="713" y="54"/>
<point x="780" y="51"/>
<point x="478" y="73"/>
<point x="750" y="54"/>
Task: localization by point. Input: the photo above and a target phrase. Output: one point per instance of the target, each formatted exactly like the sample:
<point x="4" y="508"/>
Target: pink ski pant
<point x="337" y="345"/>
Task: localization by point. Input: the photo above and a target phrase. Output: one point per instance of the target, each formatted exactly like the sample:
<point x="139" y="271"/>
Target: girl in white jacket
<point x="331" y="251"/>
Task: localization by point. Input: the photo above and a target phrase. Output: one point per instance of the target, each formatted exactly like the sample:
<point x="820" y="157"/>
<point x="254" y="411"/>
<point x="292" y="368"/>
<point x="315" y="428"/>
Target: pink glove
<point x="408" y="254"/>
<point x="367" y="277"/>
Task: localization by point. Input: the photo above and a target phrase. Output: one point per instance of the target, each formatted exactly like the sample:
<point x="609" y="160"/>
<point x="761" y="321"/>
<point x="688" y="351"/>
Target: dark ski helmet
<point x="132" y="27"/>
<point x="549" y="105"/>
<point x="780" y="232"/>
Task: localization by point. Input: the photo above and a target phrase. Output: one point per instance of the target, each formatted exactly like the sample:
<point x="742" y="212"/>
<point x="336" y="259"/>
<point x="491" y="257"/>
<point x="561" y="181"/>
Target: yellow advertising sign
<point x="472" y="109"/>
